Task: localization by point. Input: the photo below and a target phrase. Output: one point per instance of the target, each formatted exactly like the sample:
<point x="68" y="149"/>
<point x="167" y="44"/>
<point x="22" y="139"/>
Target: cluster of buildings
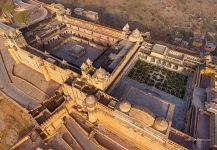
<point x="97" y="105"/>
<point x="197" y="43"/>
<point x="94" y="16"/>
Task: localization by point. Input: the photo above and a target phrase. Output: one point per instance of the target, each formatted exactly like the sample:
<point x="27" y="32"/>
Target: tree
<point x="21" y="17"/>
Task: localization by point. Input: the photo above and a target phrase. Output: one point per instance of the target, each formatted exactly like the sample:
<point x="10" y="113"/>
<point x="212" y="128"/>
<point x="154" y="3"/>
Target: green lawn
<point x="163" y="79"/>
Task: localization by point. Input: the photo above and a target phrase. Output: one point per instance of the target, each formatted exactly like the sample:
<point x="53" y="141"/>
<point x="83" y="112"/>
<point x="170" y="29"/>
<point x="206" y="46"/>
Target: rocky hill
<point x="158" y="16"/>
<point x="13" y="122"/>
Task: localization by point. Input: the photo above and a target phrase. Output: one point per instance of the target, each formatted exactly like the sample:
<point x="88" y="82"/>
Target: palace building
<point x="118" y="91"/>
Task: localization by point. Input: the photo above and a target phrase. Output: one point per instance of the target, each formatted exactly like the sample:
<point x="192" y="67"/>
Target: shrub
<point x="21" y="17"/>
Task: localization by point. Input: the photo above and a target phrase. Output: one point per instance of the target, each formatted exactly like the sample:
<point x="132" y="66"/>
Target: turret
<point x="126" y="30"/>
<point x="90" y="103"/>
<point x="136" y="36"/>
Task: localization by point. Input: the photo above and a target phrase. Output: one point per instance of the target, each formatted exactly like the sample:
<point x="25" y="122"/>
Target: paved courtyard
<point x="181" y="106"/>
<point x="64" y="53"/>
<point x="159" y="107"/>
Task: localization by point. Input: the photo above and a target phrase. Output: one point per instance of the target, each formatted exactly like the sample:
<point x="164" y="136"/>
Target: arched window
<point x="53" y="67"/>
<point x="30" y="56"/>
<point x="175" y="67"/>
<point x="152" y="59"/>
<point x="168" y="65"/>
<point x="158" y="61"/>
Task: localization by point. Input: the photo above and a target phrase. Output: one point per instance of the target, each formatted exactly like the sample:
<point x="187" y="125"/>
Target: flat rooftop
<point x="39" y="29"/>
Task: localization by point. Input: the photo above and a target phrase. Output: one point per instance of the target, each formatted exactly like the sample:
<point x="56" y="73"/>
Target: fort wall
<point x="120" y="67"/>
<point x="50" y="70"/>
<point x="107" y="118"/>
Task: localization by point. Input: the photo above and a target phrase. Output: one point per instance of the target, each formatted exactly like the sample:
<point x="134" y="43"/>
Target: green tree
<point x="21" y="17"/>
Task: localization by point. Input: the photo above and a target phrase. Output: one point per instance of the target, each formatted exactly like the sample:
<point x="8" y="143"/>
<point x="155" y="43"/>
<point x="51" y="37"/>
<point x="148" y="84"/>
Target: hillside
<point x="160" y="17"/>
<point x="13" y="121"/>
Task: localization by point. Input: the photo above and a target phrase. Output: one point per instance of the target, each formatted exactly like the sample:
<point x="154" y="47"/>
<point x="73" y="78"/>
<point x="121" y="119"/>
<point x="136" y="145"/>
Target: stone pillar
<point x="90" y="103"/>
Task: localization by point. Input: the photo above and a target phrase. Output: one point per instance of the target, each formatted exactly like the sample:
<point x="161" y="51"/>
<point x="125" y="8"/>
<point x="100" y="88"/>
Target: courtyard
<point x="152" y="98"/>
<point x="168" y="81"/>
<point x="64" y="52"/>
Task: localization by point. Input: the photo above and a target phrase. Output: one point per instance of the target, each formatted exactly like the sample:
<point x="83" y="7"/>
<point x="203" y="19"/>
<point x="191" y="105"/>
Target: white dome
<point x="161" y="124"/>
<point x="89" y="62"/>
<point x="125" y="106"/>
<point x="100" y="73"/>
<point x="126" y="28"/>
<point x="90" y="100"/>
<point x="136" y="33"/>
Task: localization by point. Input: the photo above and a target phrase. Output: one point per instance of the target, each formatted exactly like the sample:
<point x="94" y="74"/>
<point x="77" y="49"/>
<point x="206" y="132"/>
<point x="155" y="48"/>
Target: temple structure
<point x="103" y="102"/>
